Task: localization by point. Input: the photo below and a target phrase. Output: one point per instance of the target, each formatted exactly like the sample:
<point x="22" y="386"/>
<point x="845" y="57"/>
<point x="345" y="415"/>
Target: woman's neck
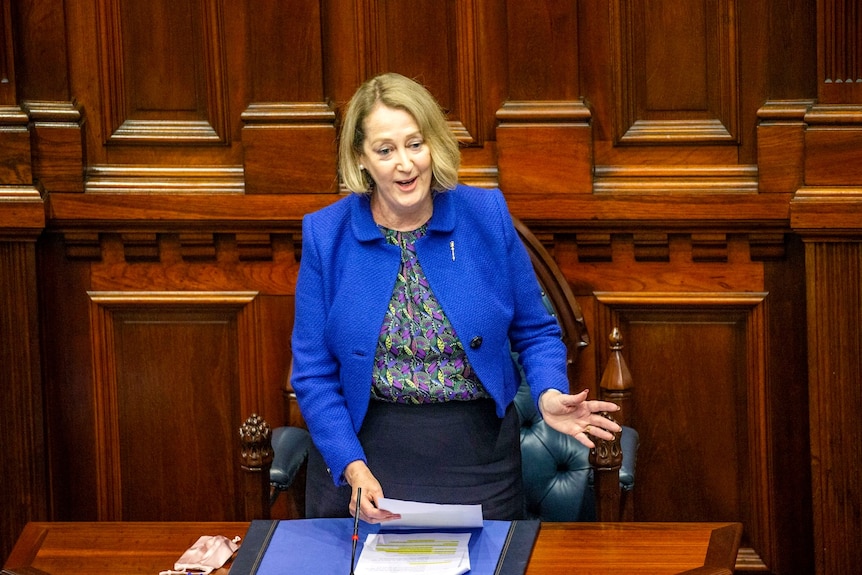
<point x="406" y="221"/>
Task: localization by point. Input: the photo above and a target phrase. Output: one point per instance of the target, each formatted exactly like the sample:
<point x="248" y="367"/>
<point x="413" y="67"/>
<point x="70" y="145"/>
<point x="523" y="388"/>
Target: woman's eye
<point x="384" y="151"/>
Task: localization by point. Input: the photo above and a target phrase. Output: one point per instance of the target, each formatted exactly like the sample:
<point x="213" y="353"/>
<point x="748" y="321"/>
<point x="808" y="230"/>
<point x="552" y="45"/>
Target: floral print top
<point x="419" y="358"/>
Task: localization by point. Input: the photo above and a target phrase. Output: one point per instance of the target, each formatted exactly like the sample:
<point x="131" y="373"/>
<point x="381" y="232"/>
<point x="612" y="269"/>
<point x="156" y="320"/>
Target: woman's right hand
<point x="358" y="475"/>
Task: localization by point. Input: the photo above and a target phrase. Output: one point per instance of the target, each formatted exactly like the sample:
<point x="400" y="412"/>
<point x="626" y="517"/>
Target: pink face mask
<point x="207" y="554"/>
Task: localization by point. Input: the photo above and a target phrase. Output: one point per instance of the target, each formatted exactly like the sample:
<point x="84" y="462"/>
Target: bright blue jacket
<point x="477" y="268"/>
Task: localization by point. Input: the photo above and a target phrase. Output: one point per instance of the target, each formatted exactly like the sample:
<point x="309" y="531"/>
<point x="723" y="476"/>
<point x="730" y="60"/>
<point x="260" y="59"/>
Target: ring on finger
<point x="587" y="429"/>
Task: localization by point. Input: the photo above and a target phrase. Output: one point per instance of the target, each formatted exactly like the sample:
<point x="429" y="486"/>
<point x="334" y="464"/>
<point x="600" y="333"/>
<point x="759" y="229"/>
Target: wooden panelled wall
<point x="694" y="167"/>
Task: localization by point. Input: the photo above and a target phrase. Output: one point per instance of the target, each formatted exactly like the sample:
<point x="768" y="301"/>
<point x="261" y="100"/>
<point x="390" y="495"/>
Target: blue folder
<point x="306" y="546"/>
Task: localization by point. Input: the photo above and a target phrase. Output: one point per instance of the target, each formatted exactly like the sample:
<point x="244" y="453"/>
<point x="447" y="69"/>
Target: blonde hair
<point x="401" y="93"/>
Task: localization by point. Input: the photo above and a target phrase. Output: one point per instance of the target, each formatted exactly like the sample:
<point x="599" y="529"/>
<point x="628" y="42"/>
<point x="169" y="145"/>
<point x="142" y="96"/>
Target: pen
<point x="355" y="528"/>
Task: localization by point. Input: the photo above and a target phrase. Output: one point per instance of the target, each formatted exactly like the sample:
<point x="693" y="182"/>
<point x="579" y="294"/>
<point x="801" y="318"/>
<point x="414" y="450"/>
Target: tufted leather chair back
<point x="558" y="478"/>
<point x="556" y="468"/>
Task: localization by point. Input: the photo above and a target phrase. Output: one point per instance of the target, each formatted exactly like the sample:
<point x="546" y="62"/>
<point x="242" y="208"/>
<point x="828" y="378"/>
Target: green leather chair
<point x="556" y="468"/>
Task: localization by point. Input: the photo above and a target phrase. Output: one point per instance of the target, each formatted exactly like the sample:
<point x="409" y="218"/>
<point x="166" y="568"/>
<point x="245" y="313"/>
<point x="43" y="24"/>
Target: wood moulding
<point x="545" y="145"/>
<point x="289" y="142"/>
<point x="827" y="213"/>
<point x="22" y="212"/>
<point x="190" y="246"/>
<point x="160" y="180"/>
<point x="58" y="144"/>
<point x="700" y="179"/>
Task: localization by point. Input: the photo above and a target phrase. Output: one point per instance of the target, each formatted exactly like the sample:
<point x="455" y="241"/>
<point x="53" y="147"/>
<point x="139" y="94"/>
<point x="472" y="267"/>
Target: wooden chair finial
<point x="256" y="441"/>
<point x="616" y="384"/>
<point x="616" y="377"/>
<point x="256" y="460"/>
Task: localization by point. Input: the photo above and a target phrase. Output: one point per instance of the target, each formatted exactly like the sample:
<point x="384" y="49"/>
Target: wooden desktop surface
<point x="126" y="548"/>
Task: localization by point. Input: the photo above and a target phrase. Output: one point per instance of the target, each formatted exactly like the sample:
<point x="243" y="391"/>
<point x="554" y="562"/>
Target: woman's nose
<point x="404" y="161"/>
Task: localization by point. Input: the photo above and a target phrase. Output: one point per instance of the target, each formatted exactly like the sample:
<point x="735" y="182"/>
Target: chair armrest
<point x="290" y="446"/>
<point x="629" y="441"/>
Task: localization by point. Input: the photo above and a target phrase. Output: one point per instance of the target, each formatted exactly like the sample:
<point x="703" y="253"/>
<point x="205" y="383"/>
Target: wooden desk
<point x="129" y="548"/>
<point x="635" y="548"/>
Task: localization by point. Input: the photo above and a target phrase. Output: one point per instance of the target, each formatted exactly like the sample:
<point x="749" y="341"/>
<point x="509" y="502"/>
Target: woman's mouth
<point x="405" y="183"/>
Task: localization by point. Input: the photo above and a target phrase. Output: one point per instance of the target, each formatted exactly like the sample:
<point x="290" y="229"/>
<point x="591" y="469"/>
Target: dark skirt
<point x="454" y="452"/>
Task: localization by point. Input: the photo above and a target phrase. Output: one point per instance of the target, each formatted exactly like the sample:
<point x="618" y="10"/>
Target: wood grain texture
<point x="833" y="279"/>
<point x="690" y="148"/>
<point x="21" y="412"/>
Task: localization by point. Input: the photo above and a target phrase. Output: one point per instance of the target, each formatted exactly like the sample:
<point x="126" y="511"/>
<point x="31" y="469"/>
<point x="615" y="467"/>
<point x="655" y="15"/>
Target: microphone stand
<point x="355" y="529"/>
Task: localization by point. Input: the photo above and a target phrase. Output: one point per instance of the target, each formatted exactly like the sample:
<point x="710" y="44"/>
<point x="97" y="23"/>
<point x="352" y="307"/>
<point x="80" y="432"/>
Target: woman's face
<point x="398" y="159"/>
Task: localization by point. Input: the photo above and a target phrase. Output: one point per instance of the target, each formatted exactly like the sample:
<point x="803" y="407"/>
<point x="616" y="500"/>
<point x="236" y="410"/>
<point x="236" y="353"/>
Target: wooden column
<point x="23" y="497"/>
<point x="827" y="213"/>
<point x="544" y="135"/>
<point x="833" y="262"/>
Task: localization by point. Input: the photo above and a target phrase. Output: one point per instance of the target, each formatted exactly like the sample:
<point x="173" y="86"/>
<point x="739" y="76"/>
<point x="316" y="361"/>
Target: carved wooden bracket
<point x="188" y="246"/>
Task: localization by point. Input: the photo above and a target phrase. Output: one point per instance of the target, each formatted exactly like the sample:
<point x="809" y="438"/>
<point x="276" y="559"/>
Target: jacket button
<point x="476" y="342"/>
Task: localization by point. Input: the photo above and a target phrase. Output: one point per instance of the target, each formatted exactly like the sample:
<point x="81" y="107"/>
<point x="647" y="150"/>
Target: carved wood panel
<point x="7" y="58"/>
<point x="438" y="48"/>
<point x="283" y="58"/>
<point x="697" y="416"/>
<point x="288" y="127"/>
<point x="677" y="72"/>
<point x="169" y="320"/>
<point x="174" y="372"/>
<point x="163" y="83"/>
<point x="833" y="145"/>
<point x="535" y="30"/>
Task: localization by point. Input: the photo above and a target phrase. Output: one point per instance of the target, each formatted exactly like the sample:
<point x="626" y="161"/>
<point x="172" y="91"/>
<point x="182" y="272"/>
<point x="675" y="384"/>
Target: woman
<point x="412" y="294"/>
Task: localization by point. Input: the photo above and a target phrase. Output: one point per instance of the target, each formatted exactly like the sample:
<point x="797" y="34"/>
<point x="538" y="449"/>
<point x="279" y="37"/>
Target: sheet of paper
<point x="431" y="515"/>
<point x="428" y="553"/>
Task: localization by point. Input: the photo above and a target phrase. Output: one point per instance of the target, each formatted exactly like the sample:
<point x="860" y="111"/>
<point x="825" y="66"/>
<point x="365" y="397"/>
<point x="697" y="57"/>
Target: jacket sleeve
<point x="315" y="378"/>
<point x="534" y="333"/>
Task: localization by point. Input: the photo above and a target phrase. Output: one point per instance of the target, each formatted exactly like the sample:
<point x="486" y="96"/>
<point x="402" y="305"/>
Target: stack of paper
<point x="431" y="515"/>
<point x="429" y="553"/>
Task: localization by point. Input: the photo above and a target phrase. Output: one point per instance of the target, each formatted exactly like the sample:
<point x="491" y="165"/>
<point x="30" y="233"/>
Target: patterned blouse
<point x="419" y="358"/>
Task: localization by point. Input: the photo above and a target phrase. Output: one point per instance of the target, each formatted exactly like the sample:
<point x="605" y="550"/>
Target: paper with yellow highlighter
<point x="438" y="553"/>
<point x="428" y="553"/>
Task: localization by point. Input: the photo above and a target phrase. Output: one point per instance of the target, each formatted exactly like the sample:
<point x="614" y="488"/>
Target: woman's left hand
<point x="576" y="416"/>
